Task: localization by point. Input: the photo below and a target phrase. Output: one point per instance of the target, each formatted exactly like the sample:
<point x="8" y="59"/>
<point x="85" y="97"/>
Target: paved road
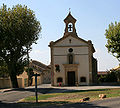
<point x="9" y="97"/>
<point x="107" y="103"/>
<point x="14" y="95"/>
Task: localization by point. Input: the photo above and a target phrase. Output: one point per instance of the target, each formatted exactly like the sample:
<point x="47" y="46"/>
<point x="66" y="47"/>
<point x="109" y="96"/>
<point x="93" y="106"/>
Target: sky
<point x="93" y="17"/>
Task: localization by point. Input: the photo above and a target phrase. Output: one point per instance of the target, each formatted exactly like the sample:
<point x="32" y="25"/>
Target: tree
<point x="117" y="72"/>
<point x="19" y="29"/>
<point x="30" y="75"/>
<point x="111" y="77"/>
<point x="113" y="39"/>
<point x="3" y="69"/>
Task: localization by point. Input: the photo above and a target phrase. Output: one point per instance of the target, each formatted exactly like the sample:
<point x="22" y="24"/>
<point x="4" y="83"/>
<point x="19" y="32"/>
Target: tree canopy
<point x="3" y="69"/>
<point x="19" y="29"/>
<point x="113" y="39"/>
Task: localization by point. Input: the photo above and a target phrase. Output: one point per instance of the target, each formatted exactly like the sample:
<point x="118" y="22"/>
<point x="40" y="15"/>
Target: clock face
<point x="70" y="50"/>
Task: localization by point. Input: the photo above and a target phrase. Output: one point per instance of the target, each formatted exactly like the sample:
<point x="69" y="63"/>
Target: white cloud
<point x="105" y="60"/>
<point x="40" y="55"/>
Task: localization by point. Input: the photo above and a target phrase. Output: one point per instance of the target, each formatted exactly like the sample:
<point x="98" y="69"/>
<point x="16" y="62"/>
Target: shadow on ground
<point x="50" y="105"/>
<point x="52" y="90"/>
<point x="39" y="90"/>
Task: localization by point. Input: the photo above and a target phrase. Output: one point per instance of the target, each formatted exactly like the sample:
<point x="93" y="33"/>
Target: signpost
<point x="36" y="86"/>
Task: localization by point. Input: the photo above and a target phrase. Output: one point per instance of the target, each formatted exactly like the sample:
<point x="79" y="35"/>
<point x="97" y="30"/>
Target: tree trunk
<point x="13" y="77"/>
<point x="14" y="81"/>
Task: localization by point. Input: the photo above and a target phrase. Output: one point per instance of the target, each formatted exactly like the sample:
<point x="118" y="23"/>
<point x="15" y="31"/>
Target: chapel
<point x="72" y="61"/>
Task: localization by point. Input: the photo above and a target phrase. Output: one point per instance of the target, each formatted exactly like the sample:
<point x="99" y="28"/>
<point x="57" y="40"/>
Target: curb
<point x="6" y="90"/>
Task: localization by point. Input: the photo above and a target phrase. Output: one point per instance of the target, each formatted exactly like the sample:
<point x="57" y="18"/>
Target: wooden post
<point x="36" y="86"/>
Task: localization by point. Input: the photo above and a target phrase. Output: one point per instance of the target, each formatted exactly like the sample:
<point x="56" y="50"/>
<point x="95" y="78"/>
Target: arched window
<point x="83" y="79"/>
<point x="59" y="80"/>
<point x="70" y="27"/>
<point x="70" y="58"/>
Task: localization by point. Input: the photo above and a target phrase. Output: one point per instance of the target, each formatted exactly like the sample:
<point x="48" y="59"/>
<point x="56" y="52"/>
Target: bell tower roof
<point x="70" y="25"/>
<point x="69" y="18"/>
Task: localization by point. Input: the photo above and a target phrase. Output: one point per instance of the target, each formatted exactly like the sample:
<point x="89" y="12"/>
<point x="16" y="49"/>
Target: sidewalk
<point x="86" y="87"/>
<point x="62" y="88"/>
<point x="39" y="86"/>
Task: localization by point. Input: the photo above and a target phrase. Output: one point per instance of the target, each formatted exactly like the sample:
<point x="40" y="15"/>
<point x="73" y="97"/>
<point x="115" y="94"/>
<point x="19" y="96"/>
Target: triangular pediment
<point x="70" y="41"/>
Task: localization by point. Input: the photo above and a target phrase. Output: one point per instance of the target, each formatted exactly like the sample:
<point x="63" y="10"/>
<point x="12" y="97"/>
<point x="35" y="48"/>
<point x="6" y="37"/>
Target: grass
<point x="73" y="96"/>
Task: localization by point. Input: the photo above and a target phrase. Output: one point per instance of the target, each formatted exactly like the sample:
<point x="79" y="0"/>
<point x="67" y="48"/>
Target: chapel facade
<point x="72" y="61"/>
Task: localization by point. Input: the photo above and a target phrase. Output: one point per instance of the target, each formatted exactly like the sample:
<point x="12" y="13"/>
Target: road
<point x="107" y="103"/>
<point x="14" y="95"/>
<point x="9" y="97"/>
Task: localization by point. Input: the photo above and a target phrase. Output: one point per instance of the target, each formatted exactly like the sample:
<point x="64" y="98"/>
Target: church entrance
<point x="71" y="78"/>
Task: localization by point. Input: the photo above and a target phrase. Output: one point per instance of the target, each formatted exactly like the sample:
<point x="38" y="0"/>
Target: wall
<point x="38" y="81"/>
<point x="46" y="77"/>
<point x="22" y="81"/>
<point x="5" y="83"/>
<point x="80" y="57"/>
<point x="74" y="42"/>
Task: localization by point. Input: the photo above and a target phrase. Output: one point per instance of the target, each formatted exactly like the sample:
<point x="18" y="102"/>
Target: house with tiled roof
<point x="43" y="70"/>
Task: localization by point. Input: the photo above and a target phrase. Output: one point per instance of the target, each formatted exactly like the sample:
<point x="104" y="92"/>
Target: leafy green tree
<point x="19" y="29"/>
<point x="101" y="78"/>
<point x="30" y="75"/>
<point x="111" y="77"/>
<point x="3" y="68"/>
<point x="113" y="39"/>
<point x="117" y="72"/>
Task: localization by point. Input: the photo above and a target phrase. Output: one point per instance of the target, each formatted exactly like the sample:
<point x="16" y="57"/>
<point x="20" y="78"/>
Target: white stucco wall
<point x="59" y="60"/>
<point x="76" y="50"/>
<point x="83" y="67"/>
<point x="74" y="41"/>
<point x="80" y="51"/>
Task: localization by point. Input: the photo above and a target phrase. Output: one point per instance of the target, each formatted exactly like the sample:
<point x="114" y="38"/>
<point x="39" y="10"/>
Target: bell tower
<point x="70" y="25"/>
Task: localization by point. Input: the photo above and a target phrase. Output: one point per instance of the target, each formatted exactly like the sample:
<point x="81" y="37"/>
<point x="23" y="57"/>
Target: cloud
<point x="105" y="60"/>
<point x="40" y="55"/>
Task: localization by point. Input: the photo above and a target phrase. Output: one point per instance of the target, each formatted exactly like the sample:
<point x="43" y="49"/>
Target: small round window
<point x="70" y="50"/>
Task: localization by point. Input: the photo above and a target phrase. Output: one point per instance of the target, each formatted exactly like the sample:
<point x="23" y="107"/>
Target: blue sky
<point x="93" y="17"/>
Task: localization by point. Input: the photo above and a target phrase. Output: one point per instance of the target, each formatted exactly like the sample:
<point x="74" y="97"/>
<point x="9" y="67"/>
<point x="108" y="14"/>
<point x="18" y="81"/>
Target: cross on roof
<point x="69" y="10"/>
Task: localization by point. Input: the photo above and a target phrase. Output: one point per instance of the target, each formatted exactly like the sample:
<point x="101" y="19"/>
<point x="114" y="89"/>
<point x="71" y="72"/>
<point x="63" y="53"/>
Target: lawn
<point x="73" y="96"/>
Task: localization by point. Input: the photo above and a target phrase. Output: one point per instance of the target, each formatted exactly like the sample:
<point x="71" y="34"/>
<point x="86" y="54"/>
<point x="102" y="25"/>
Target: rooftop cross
<point x="69" y="10"/>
